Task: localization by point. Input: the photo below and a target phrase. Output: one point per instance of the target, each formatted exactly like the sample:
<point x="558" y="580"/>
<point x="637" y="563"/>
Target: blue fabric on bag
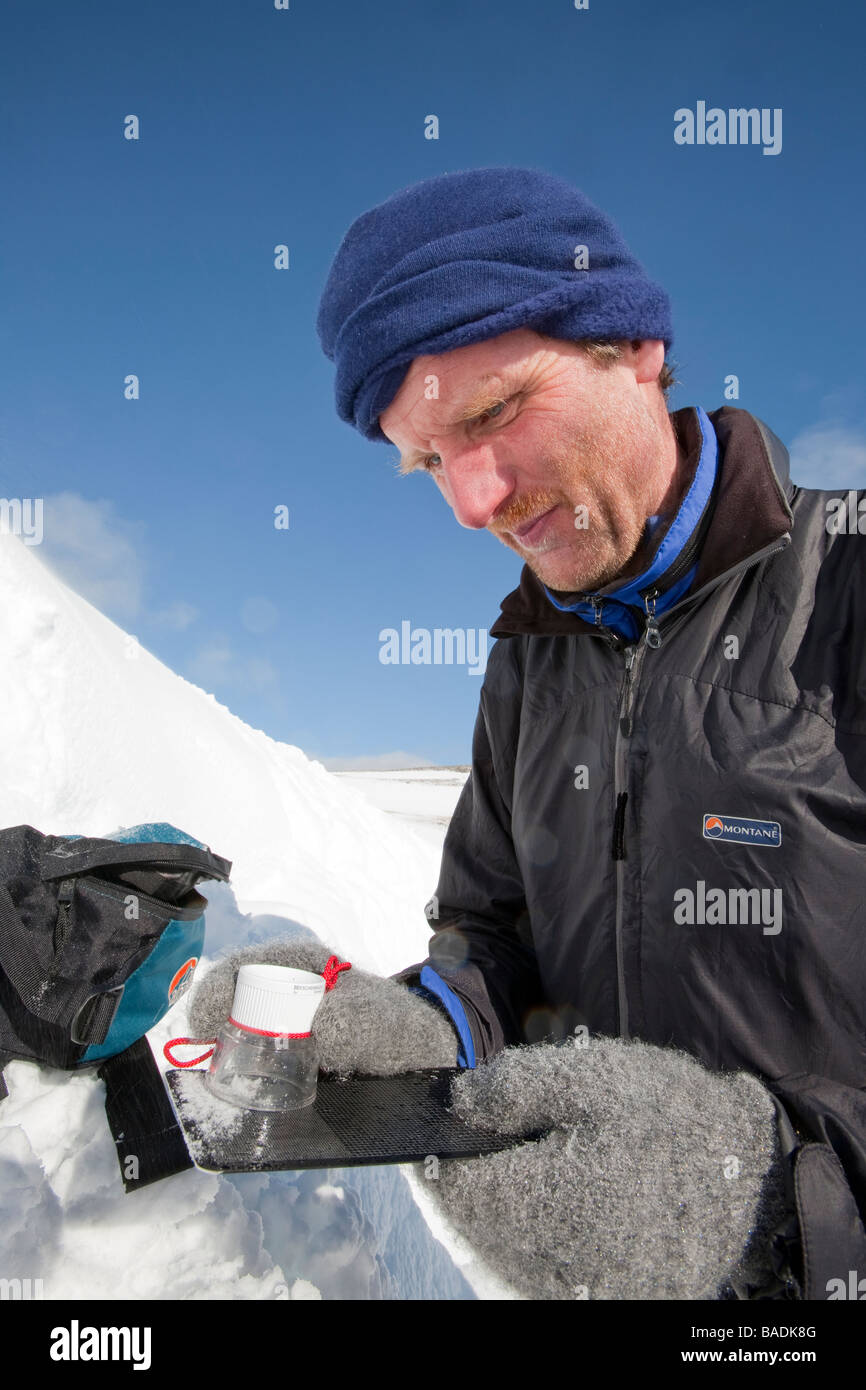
<point x="432" y="986"/>
<point x="618" y="606"/>
<point x="146" y="992"/>
<point x="159" y="831"/>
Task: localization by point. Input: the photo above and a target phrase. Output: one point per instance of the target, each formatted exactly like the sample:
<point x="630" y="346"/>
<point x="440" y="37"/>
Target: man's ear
<point x="646" y="358"/>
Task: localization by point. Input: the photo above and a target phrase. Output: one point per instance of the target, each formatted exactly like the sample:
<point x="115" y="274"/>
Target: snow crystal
<point x="214" y="1118"/>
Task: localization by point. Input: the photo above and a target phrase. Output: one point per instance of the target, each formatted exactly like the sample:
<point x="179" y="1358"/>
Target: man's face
<point x="561" y="459"/>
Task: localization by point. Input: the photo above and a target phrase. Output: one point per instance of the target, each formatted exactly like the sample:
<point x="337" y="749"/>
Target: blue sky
<point x="260" y="127"/>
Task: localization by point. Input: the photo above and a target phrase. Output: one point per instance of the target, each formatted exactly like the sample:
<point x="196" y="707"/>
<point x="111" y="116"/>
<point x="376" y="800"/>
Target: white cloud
<point x="828" y="456"/>
<point x="178" y="616"/>
<point x="260" y="615"/>
<point x="95" y="551"/>
<point x="216" y="666"/>
<point x="103" y="557"/>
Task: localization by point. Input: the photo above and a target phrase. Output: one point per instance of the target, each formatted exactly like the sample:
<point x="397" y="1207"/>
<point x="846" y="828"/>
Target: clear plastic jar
<point x="261" y="1072"/>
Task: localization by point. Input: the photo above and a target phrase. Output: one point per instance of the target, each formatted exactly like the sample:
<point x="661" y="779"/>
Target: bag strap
<point x="84" y="855"/>
<point x="149" y="1141"/>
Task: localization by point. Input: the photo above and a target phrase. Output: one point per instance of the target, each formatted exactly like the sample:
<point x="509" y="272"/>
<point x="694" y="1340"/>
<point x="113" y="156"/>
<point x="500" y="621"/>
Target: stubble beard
<point x="610" y="547"/>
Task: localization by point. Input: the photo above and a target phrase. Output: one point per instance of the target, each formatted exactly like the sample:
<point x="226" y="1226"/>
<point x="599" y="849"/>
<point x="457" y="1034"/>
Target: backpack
<point x="98" y="938"/>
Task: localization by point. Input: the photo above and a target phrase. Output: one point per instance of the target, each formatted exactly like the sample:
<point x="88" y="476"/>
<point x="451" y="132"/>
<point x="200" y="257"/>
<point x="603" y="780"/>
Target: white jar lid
<point x="276" y="999"/>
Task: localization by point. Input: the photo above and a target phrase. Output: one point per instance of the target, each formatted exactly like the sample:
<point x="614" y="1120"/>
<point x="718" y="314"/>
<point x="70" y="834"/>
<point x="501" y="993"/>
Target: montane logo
<point x="742" y="831"/>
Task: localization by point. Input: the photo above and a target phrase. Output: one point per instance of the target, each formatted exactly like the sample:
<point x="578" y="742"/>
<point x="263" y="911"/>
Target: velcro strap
<point x="149" y="1141"/>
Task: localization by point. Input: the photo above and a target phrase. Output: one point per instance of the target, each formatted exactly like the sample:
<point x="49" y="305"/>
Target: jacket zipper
<point x="651" y="635"/>
<point x="711" y="584"/>
<point x="682" y="562"/>
<point x="720" y="578"/>
<point x="689" y="552"/>
<point x="634" y="656"/>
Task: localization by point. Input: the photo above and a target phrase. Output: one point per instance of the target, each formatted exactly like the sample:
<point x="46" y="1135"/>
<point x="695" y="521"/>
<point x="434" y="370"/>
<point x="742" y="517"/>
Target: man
<point x="659" y="853"/>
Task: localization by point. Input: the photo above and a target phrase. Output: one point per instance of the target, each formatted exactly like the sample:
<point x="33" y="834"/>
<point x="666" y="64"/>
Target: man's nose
<point x="475" y="485"/>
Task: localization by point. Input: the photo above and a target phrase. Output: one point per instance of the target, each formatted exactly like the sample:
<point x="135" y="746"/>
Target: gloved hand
<point x="660" y="1179"/>
<point x="364" y="1024"/>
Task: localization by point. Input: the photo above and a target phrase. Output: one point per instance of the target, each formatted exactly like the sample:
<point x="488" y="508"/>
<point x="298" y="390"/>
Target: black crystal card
<point x="364" y="1119"/>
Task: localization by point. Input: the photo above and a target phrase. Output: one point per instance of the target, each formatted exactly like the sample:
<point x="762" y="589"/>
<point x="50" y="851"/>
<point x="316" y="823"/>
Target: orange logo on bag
<point x="182" y="980"/>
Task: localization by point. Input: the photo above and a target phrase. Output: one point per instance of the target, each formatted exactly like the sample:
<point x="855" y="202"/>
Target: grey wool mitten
<point x="659" y="1179"/>
<point x="365" y="1023"/>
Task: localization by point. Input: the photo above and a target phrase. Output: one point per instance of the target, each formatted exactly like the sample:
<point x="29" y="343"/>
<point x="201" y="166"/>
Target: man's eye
<point x="432" y="463"/>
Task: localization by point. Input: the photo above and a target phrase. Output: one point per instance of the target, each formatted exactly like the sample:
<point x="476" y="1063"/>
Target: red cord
<point x="265" y="1032"/>
<point x="195" y="1042"/>
<point x="332" y="970"/>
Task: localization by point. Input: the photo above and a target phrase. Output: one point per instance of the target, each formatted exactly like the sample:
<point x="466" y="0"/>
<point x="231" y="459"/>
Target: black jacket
<point x="578" y="869"/>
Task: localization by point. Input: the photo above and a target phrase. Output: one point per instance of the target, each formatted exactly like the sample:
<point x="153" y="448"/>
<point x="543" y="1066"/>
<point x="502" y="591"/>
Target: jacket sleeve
<point x="481" y="946"/>
<point x="822" y="1128"/>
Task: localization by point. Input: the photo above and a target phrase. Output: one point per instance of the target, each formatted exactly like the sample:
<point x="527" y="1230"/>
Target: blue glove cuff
<point x="433" y="986"/>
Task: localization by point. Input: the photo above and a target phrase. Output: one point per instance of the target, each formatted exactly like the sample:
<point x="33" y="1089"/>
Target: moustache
<point x="523" y="509"/>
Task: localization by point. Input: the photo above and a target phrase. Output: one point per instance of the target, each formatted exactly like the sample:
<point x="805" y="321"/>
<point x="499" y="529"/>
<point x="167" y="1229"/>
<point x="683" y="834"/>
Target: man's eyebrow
<point x="483" y="396"/>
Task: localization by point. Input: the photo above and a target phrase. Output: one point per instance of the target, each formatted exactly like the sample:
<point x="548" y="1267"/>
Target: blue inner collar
<point x="618" y="606"/>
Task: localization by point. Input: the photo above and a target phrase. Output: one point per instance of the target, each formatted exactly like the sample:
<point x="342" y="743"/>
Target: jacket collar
<point x="751" y="511"/>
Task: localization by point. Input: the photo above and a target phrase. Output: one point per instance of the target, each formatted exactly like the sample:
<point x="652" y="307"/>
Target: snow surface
<point x="98" y="734"/>
<point x="422" y="797"/>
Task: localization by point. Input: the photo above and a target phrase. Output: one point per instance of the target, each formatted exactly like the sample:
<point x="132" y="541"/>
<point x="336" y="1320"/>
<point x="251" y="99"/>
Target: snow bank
<point x="98" y="734"/>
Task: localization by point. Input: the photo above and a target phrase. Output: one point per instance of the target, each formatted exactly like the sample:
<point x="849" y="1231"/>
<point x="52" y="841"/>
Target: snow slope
<point x="98" y="734"/>
<point x="423" y="797"/>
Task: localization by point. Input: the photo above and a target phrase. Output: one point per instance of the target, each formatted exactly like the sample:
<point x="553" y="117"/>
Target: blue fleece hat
<point x="464" y="257"/>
